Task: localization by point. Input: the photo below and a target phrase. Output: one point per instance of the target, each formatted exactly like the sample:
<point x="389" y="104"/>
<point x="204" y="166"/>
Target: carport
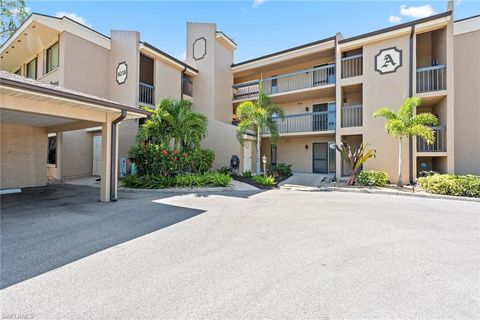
<point x="30" y="110"/>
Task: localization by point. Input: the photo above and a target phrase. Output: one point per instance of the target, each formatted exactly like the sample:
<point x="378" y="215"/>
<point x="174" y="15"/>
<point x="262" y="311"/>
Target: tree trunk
<point x="259" y="137"/>
<point x="400" y="182"/>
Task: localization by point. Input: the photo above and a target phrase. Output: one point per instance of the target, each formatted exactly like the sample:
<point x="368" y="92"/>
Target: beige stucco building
<point x="328" y="88"/>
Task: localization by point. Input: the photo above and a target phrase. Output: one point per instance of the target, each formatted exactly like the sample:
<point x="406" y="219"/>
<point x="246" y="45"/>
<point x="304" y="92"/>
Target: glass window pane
<point x="52" y="57"/>
<point x="32" y="69"/>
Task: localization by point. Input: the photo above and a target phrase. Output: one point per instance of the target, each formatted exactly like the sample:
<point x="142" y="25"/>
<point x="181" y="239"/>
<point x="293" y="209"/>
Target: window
<point x="52" y="150"/>
<point x="32" y="69"/>
<point x="52" y="58"/>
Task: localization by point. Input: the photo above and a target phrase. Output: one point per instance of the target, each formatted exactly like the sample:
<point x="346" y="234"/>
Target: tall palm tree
<point x="406" y="124"/>
<point x="175" y="119"/>
<point x="259" y="116"/>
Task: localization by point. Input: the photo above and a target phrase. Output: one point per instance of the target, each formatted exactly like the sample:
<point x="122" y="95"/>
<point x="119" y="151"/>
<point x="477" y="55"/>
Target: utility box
<point x="122" y="168"/>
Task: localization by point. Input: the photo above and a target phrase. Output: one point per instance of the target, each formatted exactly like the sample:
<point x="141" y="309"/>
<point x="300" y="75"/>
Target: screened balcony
<point x="352" y="66"/>
<point x="304" y="79"/>
<point x="352" y="116"/>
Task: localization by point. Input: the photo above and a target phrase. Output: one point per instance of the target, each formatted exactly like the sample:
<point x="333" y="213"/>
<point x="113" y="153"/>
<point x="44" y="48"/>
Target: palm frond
<point x="386" y="113"/>
<point x="425" y="132"/>
<point x="426" y="119"/>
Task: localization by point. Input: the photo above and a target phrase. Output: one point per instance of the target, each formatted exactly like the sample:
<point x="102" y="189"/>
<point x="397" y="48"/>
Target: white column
<point x="106" y="159"/>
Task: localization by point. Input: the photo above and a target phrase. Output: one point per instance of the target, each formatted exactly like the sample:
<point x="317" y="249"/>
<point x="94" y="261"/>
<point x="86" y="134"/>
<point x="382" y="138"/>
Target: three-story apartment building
<point x="328" y="88"/>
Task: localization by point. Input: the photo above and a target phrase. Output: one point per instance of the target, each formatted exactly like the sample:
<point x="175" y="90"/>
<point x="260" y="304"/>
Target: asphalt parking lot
<point x="238" y="255"/>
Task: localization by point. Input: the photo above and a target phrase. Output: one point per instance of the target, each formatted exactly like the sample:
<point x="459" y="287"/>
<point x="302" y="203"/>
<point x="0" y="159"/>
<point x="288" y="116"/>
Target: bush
<point x="154" y="160"/>
<point x="247" y="174"/>
<point x="224" y="170"/>
<point x="372" y="178"/>
<point x="264" y="180"/>
<point x="281" y="170"/>
<point x="447" y="184"/>
<point x="212" y="179"/>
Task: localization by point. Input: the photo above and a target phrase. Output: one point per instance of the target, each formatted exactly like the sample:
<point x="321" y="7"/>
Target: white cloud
<point x="183" y="56"/>
<point x="394" y="19"/>
<point x="257" y="3"/>
<point x="15" y="11"/>
<point x="73" y="16"/>
<point x="417" y="12"/>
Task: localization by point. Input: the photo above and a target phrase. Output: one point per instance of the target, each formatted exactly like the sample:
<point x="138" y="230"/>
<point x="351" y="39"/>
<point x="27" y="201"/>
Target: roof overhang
<point x="466" y="25"/>
<point x="225" y="40"/>
<point x="281" y="56"/>
<point x="156" y="53"/>
<point x="421" y="26"/>
<point x="38" y="31"/>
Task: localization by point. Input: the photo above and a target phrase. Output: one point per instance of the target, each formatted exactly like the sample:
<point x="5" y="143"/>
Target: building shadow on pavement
<point x="48" y="227"/>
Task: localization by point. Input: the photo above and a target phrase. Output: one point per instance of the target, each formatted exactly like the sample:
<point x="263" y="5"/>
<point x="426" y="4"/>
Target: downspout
<point x="410" y="93"/>
<point x="181" y="83"/>
<point x="113" y="158"/>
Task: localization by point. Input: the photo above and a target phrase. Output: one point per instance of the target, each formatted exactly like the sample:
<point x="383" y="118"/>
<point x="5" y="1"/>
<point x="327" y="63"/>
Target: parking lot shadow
<point x="48" y="227"/>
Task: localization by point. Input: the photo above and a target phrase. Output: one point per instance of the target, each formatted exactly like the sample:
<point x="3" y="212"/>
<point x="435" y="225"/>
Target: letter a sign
<point x="121" y="72"/>
<point x="388" y="60"/>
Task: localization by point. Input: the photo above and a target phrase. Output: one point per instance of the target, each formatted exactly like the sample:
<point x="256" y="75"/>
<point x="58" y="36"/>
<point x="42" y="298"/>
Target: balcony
<point x="304" y="79"/>
<point x="146" y="93"/>
<point x="187" y="86"/>
<point x="440" y="143"/>
<point x="431" y="78"/>
<point x="307" y="122"/>
<point x="352" y="116"/>
<point x="352" y="66"/>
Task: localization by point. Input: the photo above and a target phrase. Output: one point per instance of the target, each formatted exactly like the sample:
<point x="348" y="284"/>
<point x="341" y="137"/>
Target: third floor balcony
<point x="291" y="82"/>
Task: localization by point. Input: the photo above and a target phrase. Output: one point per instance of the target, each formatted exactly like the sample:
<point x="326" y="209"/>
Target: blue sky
<point x="258" y="26"/>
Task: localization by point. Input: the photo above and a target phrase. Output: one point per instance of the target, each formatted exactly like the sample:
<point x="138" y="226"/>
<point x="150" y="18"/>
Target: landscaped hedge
<point x="281" y="170"/>
<point x="372" y="178"/>
<point x="447" y="184"/>
<point x="154" y="160"/>
<point x="264" y="180"/>
<point x="209" y="179"/>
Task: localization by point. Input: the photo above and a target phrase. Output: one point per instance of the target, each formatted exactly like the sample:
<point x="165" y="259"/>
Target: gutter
<point x="113" y="158"/>
<point x="410" y="93"/>
<point x="181" y="83"/>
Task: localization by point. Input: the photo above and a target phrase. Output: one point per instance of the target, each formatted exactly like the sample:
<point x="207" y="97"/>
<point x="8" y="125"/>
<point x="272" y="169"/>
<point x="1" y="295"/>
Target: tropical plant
<point x="213" y="179"/>
<point x="355" y="158"/>
<point x="264" y="180"/>
<point x="174" y="119"/>
<point x="406" y="124"/>
<point x="448" y="184"/>
<point x="247" y="174"/>
<point x="13" y="13"/>
<point x="281" y="170"/>
<point x="258" y="117"/>
<point x="372" y="178"/>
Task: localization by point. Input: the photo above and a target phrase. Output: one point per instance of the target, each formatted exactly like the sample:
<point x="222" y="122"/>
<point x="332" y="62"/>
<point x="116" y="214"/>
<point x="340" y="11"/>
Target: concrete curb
<point x="398" y="193"/>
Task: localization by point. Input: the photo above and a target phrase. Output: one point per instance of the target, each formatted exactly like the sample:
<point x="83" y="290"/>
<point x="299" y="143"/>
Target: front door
<point x="97" y="155"/>
<point x="320" y="157"/>
<point x="323" y="158"/>
<point x="247" y="155"/>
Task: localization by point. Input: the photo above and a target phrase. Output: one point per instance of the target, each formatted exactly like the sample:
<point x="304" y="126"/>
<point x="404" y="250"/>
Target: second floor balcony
<point x="306" y="122"/>
<point x="352" y="116"/>
<point x="187" y="86"/>
<point x="352" y="66"/>
<point x="440" y="143"/>
<point x="304" y="79"/>
<point x="146" y="93"/>
<point x="432" y="78"/>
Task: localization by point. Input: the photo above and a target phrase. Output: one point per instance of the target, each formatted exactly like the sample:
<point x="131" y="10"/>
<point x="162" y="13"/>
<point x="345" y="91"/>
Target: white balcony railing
<point x="315" y="77"/>
<point x="352" y="66"/>
<point x="146" y="93"/>
<point x="307" y="122"/>
<point x="440" y="143"/>
<point x="431" y="78"/>
<point x="352" y="116"/>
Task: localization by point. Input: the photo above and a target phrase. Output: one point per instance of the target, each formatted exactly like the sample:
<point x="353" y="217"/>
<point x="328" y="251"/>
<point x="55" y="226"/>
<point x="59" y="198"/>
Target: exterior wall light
<point x="264" y="161"/>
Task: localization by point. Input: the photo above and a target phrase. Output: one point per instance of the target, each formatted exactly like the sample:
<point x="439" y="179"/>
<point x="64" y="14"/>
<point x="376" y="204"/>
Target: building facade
<point x="328" y="88"/>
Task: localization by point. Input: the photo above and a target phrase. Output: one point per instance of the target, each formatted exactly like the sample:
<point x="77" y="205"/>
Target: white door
<point x="247" y="155"/>
<point x="97" y="155"/>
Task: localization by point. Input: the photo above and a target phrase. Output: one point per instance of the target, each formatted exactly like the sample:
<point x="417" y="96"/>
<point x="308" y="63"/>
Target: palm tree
<point x="355" y="158"/>
<point x="406" y="124"/>
<point x="175" y="119"/>
<point x="258" y="117"/>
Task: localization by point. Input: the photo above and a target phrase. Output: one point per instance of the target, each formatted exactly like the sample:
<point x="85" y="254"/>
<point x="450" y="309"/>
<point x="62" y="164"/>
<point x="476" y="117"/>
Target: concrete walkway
<point x="303" y="181"/>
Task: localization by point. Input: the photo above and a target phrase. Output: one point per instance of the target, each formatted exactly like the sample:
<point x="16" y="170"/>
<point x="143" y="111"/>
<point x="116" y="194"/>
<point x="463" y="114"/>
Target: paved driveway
<point x="276" y="254"/>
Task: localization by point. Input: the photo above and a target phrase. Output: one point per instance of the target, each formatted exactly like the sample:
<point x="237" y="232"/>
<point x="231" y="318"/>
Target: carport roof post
<point x="29" y="97"/>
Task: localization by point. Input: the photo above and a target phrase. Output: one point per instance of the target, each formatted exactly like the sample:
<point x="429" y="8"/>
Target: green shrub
<point x="153" y="159"/>
<point x="447" y="184"/>
<point x="247" y="174"/>
<point x="224" y="170"/>
<point x="281" y="170"/>
<point x="372" y="178"/>
<point x="264" y="180"/>
<point x="213" y="179"/>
